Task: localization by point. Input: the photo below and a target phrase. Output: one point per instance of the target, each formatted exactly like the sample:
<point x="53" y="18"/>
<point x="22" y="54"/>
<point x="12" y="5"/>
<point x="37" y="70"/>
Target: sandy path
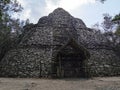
<point x="111" y="83"/>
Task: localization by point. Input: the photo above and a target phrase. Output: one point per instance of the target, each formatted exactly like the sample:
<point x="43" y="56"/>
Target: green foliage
<point x="102" y="1"/>
<point x="117" y="32"/>
<point x="107" y="23"/>
<point x="116" y="18"/>
<point x="8" y="24"/>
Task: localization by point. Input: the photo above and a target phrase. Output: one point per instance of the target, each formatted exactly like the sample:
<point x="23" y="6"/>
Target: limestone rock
<point x="62" y="46"/>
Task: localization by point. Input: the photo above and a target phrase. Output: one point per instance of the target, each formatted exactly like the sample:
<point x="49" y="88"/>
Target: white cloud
<point x="25" y="14"/>
<point x="34" y="9"/>
<point x="68" y="5"/>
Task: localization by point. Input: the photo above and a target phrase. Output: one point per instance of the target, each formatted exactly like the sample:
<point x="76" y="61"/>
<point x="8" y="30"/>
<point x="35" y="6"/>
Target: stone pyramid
<point x="60" y="35"/>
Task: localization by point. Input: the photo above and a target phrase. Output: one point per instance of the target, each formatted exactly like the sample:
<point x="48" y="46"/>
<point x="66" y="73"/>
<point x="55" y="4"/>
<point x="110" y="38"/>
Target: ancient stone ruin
<point x="60" y="45"/>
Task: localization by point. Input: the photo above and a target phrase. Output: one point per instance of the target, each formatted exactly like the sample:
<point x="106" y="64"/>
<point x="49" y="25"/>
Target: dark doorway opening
<point x="70" y="65"/>
<point x="70" y="61"/>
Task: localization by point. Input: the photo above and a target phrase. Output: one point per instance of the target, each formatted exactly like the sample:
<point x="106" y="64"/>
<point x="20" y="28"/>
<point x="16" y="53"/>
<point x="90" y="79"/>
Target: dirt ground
<point x="111" y="83"/>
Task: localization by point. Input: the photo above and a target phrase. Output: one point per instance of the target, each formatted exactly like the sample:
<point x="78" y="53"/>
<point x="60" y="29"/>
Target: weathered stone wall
<point x="61" y="35"/>
<point x="89" y="37"/>
<point x="38" y="36"/>
<point x="103" y="63"/>
<point x="26" y="62"/>
<point x="35" y="54"/>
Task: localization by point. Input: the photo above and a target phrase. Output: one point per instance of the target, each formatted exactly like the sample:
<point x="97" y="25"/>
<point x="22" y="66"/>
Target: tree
<point x="116" y="20"/>
<point x="96" y="26"/>
<point x="7" y="7"/>
<point x="117" y="32"/>
<point x="107" y="24"/>
<point x="7" y="24"/>
<point x="102" y="1"/>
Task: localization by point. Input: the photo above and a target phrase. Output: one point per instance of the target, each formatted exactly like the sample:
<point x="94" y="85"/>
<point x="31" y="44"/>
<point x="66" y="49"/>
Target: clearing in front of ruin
<point x="105" y="83"/>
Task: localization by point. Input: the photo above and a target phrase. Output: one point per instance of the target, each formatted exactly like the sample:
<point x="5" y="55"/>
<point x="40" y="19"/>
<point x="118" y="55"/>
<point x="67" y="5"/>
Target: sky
<point x="90" y="11"/>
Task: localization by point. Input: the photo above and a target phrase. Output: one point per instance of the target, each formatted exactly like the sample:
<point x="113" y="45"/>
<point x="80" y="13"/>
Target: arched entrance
<point x="70" y="61"/>
<point x="70" y="65"/>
